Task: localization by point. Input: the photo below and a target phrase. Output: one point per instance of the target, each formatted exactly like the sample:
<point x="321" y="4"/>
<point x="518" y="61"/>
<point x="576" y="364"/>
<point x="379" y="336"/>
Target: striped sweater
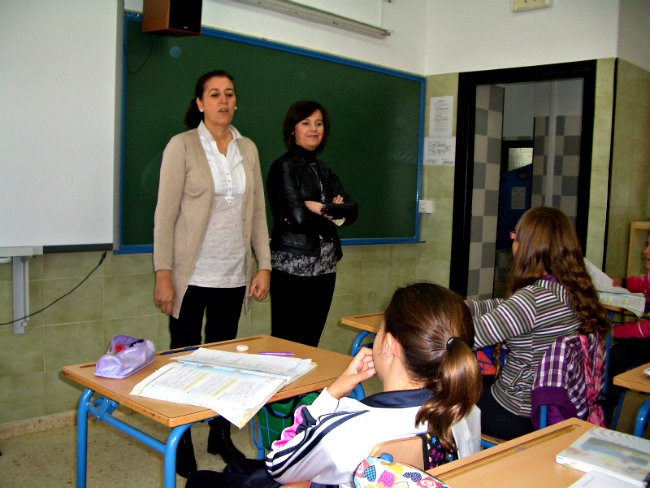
<point x="528" y="322"/>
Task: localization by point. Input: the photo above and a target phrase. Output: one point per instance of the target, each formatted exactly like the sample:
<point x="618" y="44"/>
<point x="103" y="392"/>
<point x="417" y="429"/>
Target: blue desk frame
<point x="102" y="408"/>
<point x="642" y="418"/>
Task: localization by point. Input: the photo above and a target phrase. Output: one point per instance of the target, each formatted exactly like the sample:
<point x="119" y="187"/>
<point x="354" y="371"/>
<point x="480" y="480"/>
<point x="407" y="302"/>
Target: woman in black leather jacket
<point x="308" y="203"/>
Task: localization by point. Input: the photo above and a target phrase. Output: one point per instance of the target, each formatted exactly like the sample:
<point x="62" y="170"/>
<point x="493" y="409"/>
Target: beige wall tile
<point x="348" y="278"/>
<point x="23" y="396"/>
<point x="143" y="326"/>
<point x="85" y="303"/>
<point x="164" y="338"/>
<point x="125" y="264"/>
<point x="260" y="319"/>
<point x="75" y="343"/>
<point x="5" y="272"/>
<point x="21" y="354"/>
<point x="630" y="174"/>
<point x="6" y="303"/>
<point x="74" y="264"/>
<point x="61" y="393"/>
<point x="129" y="295"/>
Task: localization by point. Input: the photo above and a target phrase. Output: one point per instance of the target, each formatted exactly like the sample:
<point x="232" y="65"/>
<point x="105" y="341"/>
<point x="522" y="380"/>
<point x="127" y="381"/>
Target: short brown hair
<point x="299" y="111"/>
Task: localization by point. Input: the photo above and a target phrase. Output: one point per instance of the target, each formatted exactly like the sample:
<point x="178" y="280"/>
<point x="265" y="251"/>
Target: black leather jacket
<point x="292" y="179"/>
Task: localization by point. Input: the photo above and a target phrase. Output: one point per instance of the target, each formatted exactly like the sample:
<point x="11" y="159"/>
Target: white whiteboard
<point x="57" y="122"/>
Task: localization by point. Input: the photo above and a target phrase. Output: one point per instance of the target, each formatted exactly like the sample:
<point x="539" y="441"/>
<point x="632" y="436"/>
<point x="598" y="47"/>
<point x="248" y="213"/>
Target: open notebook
<point x="234" y="385"/>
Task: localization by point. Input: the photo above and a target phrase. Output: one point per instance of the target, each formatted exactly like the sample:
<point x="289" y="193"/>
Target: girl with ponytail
<point x="431" y="382"/>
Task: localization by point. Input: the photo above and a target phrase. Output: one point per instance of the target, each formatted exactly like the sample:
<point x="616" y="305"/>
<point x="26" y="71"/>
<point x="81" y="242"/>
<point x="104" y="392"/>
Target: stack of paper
<point x="596" y="479"/>
<point x="235" y="385"/>
<point x="615" y="295"/>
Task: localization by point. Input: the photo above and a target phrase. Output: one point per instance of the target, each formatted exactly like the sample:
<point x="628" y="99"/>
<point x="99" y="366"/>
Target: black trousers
<point x="299" y="306"/>
<point x="241" y="473"/>
<point x="221" y="307"/>
<point x="496" y="420"/>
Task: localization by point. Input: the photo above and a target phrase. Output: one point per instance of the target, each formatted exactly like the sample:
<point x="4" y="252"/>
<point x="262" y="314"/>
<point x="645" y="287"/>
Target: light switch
<point x="426" y="206"/>
<point x="522" y="5"/>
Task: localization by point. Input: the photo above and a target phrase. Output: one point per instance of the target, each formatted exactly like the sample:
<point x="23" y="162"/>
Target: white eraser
<point x="242" y="348"/>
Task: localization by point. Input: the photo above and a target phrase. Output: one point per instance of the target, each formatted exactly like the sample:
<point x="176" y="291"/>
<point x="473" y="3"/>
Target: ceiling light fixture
<point x="322" y="17"/>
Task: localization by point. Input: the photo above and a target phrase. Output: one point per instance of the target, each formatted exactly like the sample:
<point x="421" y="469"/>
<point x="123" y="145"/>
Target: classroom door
<point x="486" y="199"/>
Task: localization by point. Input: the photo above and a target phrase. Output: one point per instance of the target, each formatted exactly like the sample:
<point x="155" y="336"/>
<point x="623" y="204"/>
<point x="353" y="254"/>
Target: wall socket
<point x="523" y="5"/>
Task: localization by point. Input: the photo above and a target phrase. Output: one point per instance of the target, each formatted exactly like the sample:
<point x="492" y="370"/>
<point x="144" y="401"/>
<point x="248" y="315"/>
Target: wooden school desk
<point x="635" y="379"/>
<point x="527" y="461"/>
<point x="368" y="324"/>
<point x="111" y="393"/>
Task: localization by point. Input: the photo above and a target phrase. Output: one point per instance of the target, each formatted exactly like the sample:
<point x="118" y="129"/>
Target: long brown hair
<point x="435" y="329"/>
<point x="548" y="243"/>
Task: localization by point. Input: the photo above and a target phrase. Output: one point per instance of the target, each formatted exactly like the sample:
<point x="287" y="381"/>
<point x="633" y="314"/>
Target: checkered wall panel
<point x="485" y="195"/>
<point x="564" y="188"/>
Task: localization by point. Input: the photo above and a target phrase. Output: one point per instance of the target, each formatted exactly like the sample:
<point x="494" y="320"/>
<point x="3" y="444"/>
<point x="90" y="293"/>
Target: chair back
<point x="407" y="451"/>
<point x="569" y="381"/>
<point x="422" y="451"/>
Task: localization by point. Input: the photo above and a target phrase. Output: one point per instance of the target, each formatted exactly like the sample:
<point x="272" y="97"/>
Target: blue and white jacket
<point x="331" y="437"/>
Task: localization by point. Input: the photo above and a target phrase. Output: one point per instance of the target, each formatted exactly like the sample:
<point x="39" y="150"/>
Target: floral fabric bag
<point x="381" y="472"/>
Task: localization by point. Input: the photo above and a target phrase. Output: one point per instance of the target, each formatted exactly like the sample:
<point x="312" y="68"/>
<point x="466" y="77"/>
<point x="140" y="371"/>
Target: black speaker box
<point x="177" y="17"/>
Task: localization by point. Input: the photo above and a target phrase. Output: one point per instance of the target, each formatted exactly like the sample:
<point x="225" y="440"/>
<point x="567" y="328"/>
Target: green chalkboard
<point x="376" y="122"/>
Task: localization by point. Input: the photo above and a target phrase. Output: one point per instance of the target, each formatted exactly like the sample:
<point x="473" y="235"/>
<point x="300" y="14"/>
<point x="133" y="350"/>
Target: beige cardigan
<point x="185" y="197"/>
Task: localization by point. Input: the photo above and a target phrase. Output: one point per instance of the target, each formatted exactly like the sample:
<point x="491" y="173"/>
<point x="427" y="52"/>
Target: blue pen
<point x="268" y="353"/>
<point x="183" y="349"/>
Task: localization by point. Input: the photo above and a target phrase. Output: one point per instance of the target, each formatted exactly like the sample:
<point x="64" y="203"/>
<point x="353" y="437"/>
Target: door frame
<point x="464" y="170"/>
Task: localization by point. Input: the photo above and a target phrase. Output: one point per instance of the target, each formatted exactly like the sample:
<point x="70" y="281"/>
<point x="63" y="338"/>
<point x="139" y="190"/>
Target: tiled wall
<point x="630" y="176"/>
<point x="485" y="194"/>
<point x="566" y="164"/>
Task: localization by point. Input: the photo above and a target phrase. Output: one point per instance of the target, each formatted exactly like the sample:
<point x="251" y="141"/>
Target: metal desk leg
<point x="82" y="437"/>
<point x="642" y="418"/>
<point x="102" y="409"/>
<point x="170" y="454"/>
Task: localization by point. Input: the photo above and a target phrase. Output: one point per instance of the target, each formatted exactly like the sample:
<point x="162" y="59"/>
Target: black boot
<point x="185" y="460"/>
<point x="219" y="441"/>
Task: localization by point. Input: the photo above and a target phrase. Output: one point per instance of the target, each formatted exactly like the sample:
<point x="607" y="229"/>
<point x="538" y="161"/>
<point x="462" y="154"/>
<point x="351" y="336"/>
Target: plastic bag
<point x="125" y="356"/>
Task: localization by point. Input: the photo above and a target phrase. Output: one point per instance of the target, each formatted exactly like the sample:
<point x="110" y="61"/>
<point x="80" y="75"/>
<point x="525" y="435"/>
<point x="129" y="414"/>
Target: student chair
<point x="410" y="450"/>
<point x="422" y="451"/>
<point x="488" y="441"/>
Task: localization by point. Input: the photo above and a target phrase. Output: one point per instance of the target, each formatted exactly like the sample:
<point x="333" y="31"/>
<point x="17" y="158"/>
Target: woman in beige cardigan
<point x="210" y="219"/>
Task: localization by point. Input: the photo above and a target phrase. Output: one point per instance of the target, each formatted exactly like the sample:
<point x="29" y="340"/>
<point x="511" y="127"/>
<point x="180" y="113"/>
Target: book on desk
<point x="234" y="385"/>
<point x="616" y="454"/>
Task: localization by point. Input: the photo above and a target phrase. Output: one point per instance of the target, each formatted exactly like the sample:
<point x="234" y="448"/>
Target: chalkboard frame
<point x="123" y="246"/>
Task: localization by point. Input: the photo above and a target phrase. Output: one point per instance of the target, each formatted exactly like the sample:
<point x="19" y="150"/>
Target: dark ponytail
<point x="193" y="116"/>
<point x="435" y="329"/>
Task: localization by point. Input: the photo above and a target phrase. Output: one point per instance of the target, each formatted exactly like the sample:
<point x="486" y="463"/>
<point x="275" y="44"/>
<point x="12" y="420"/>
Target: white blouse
<point x="221" y="261"/>
<point x="227" y="171"/>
